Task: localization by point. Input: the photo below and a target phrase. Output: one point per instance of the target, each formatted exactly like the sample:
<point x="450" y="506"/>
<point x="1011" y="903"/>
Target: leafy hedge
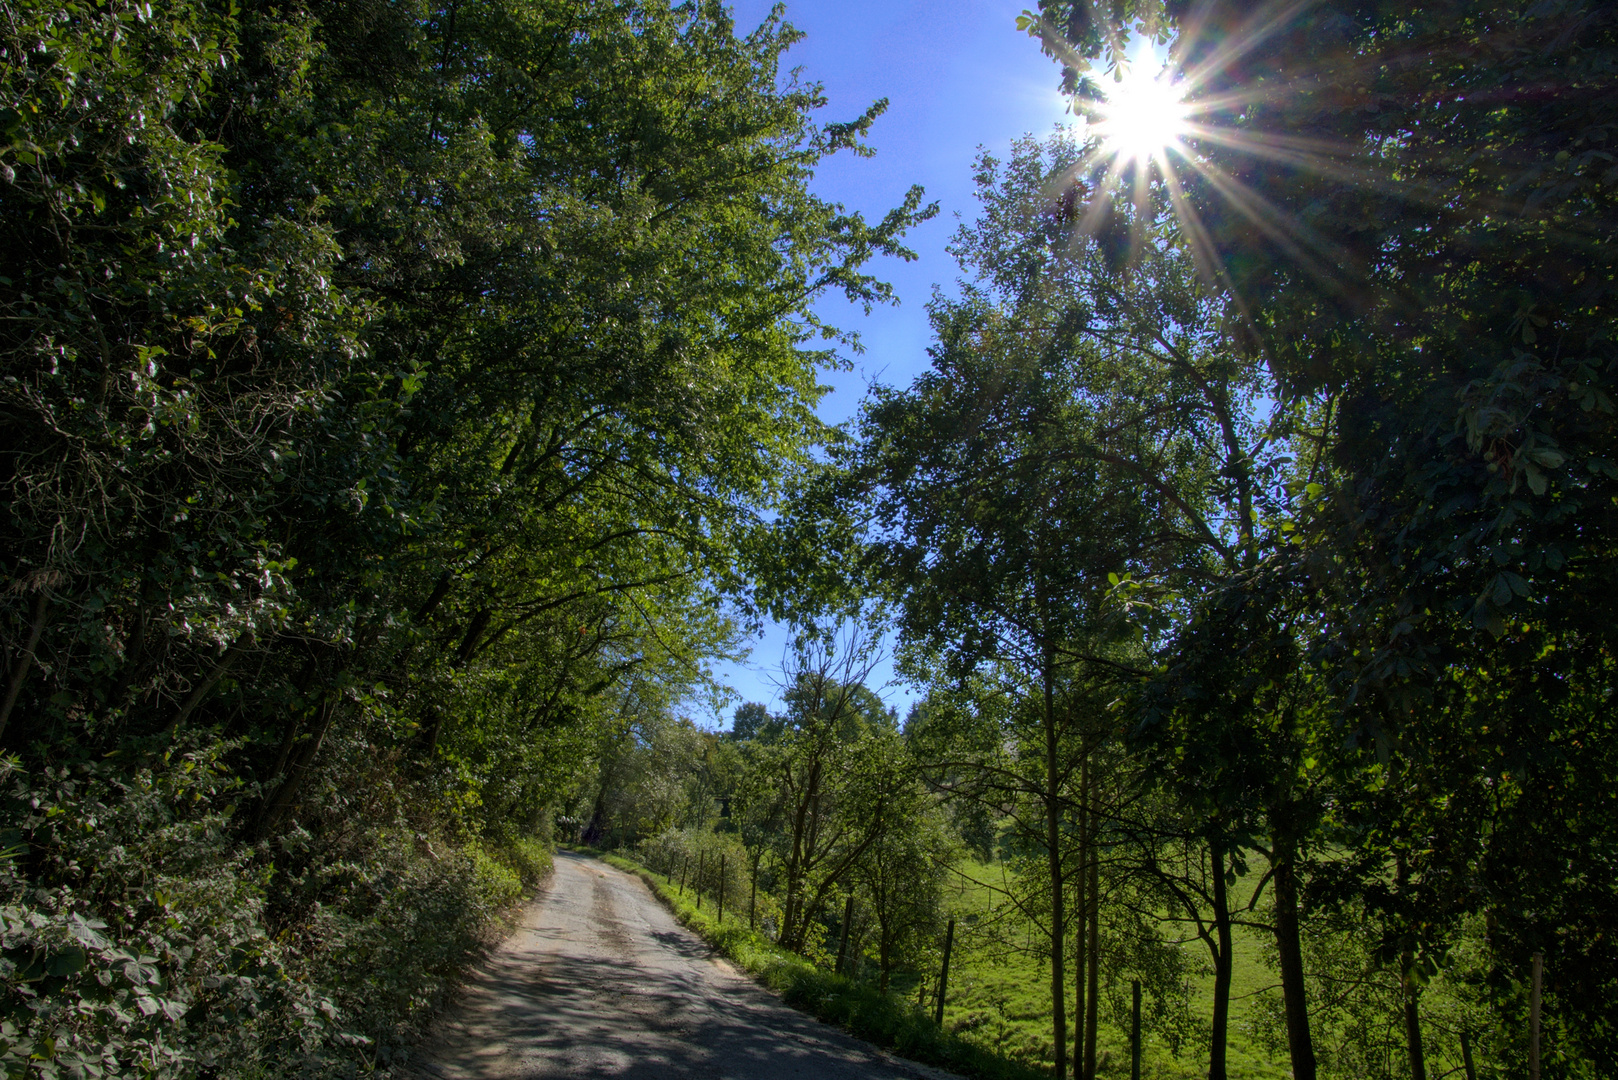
<point x="142" y="936"/>
<point x="856" y="1007"/>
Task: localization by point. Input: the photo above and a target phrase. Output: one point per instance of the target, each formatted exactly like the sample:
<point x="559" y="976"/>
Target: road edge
<point x="892" y="1029"/>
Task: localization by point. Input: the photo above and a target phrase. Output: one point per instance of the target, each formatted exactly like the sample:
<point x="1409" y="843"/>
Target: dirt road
<point x="600" y="981"/>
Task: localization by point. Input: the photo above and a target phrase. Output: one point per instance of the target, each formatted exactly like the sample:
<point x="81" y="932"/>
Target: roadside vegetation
<point x="402" y="405"/>
<point x="854" y="1004"/>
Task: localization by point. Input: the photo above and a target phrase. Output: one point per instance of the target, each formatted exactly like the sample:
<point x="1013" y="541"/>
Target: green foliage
<point x="388" y="397"/>
<point x="1359" y="1016"/>
<point x="1453" y="308"/>
<point x="129" y="917"/>
<point x="1284" y="415"/>
<point x="137" y="930"/>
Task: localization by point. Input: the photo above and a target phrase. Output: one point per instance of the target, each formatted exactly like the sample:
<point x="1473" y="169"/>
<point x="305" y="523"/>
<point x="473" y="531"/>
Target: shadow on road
<point x="601" y="981"/>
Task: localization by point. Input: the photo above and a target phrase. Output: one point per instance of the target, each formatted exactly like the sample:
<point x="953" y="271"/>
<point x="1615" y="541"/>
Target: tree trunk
<point x="1222" y="958"/>
<point x="792" y="913"/>
<point x="1053" y="843"/>
<point x="436" y="597"/>
<point x="294" y="725"/>
<point x="469" y="642"/>
<point x="1289" y="952"/>
<point x="286" y="795"/>
<point x="1533" y="1015"/>
<point x="243" y="641"/>
<point x="26" y="660"/>
<point x="842" y="944"/>
<point x="1418" y="1058"/>
<point x="1081" y="905"/>
<point x="1093" y="1002"/>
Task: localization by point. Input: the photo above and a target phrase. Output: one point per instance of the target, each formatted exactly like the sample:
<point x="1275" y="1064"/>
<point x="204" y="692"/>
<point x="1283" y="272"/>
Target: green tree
<point x="833" y="783"/>
<point x="992" y="538"/>
<point x="388" y="395"/>
<point x="902" y="874"/>
<point x="1431" y="256"/>
<point x="1408" y="228"/>
<point x="1089" y="391"/>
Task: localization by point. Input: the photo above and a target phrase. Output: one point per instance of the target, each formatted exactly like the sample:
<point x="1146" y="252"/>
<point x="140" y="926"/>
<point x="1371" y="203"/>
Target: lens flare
<point x="1158" y="135"/>
<point x="1144" y="115"/>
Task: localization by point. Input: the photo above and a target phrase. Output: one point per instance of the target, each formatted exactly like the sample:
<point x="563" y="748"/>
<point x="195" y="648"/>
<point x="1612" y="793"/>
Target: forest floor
<point x="599" y="980"/>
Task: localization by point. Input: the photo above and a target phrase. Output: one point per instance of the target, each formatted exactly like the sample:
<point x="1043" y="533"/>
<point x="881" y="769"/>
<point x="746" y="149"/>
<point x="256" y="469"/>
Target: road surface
<point x="600" y="981"/>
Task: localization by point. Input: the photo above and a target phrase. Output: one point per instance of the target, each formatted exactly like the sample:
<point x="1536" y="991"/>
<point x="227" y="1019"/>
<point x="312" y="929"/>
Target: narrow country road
<point x="600" y="981"/>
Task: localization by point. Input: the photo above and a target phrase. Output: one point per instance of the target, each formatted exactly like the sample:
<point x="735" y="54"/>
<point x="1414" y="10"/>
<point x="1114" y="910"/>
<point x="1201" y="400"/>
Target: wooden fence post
<point x="1134" y="1034"/>
<point x="1533" y="1017"/>
<point x="721" y="890"/>
<point x="943" y="974"/>
<point x="700" y="861"/>
<point x="752" y="898"/>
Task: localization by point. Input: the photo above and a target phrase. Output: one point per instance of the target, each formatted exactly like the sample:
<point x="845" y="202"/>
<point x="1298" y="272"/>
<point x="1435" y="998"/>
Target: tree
<point x="388" y="394"/>
<point x="902" y="873"/>
<point x="833" y="781"/>
<point x="1102" y="363"/>
<point x="996" y="577"/>
<point x="1427" y="230"/>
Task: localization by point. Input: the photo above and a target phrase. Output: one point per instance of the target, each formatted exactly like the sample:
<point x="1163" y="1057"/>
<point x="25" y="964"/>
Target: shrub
<point x="133" y="928"/>
<point x="529" y="857"/>
<point x="142" y="934"/>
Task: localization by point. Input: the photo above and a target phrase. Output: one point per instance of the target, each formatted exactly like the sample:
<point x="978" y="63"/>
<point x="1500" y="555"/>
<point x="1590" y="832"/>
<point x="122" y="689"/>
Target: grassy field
<point x="997" y="1018"/>
<point x="1000" y="998"/>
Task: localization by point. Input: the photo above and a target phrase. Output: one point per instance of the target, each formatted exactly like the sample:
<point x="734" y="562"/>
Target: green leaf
<point x="1501" y="593"/>
<point x="67" y="962"/>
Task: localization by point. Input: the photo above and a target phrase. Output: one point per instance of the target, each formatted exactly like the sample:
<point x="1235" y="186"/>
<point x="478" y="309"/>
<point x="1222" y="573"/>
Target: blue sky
<point x="957" y="75"/>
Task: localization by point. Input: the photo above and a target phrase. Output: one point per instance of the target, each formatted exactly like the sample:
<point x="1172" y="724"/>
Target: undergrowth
<point x="856" y="1007"/>
<point x="141" y="934"/>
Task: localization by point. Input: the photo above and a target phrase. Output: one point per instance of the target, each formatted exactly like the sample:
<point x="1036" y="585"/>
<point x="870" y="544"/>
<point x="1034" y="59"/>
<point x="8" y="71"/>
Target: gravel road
<point x="599" y="980"/>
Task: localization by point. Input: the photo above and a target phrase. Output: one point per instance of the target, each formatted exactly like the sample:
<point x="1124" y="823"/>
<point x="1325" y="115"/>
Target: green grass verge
<point x="856" y="1007"/>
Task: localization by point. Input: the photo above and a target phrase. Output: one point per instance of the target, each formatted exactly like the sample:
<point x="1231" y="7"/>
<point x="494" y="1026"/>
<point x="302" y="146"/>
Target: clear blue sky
<point x="957" y="76"/>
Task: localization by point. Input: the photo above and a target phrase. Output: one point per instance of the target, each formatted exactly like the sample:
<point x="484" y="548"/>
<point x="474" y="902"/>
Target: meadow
<point x="999" y="994"/>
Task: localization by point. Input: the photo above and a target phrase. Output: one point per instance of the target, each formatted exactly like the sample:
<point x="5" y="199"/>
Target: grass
<point x="997" y="1021"/>
<point x="886" y="1020"/>
<point x="999" y="997"/>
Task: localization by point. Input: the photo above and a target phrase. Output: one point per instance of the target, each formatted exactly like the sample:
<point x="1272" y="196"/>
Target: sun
<point x="1144" y="114"/>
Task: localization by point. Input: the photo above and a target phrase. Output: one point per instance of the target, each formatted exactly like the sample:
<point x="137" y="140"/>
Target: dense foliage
<point x="390" y="395"/>
<point x="401" y="403"/>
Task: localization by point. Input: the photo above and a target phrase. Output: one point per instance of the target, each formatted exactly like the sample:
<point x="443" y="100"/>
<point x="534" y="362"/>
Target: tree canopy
<point x="403" y="405"/>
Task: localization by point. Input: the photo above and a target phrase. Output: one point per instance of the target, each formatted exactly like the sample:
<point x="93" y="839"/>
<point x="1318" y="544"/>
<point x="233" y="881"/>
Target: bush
<point x="141" y="934"/>
<point x="529" y="857"/>
<point x="496" y="885"/>
<point x="134" y="930"/>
